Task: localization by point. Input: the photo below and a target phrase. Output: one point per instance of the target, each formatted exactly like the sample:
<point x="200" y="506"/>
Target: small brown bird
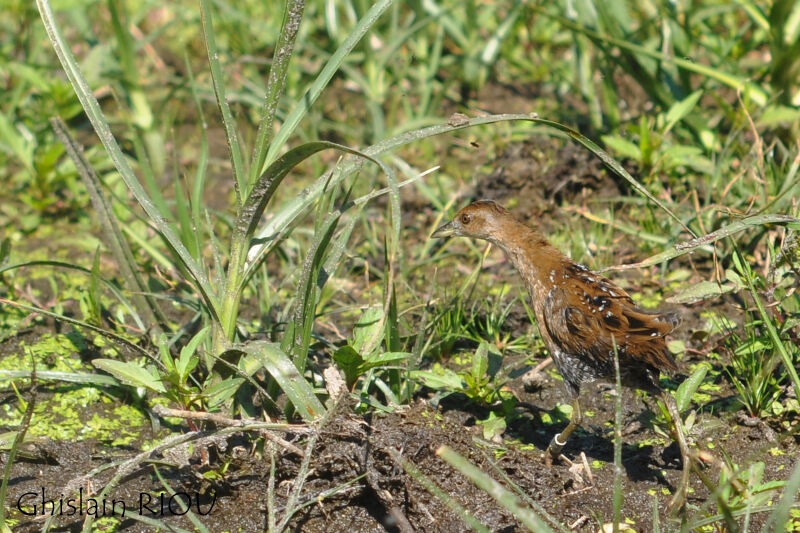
<point x="582" y="316"/>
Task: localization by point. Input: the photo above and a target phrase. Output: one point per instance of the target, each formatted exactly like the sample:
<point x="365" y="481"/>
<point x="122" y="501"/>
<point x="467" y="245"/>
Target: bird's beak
<point x="445" y="230"/>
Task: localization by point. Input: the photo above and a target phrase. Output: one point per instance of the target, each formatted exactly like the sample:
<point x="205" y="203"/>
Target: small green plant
<point x="450" y="326"/>
<point x="488" y="323"/>
<point x="752" y="370"/>
<point x="210" y="277"/>
<point x="745" y="486"/>
<point x="480" y="382"/>
<point x="363" y="353"/>
<point x="658" y="151"/>
<point x="759" y="386"/>
<point x="683" y="398"/>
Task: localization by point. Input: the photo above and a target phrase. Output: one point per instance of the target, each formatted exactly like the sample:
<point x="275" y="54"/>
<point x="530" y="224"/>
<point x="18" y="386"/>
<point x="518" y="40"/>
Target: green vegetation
<point x="206" y="205"/>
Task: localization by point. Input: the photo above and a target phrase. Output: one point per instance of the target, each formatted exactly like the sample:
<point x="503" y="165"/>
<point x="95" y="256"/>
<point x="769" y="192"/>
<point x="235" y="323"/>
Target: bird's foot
<point x="580" y="471"/>
<point x="677" y="505"/>
<point x="553" y="452"/>
<point x="548" y="459"/>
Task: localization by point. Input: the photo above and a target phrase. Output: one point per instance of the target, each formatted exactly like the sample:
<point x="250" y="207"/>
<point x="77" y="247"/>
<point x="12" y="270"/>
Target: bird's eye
<point x="465" y="218"/>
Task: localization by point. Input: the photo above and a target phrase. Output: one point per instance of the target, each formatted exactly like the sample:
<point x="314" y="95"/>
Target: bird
<point x="583" y="318"/>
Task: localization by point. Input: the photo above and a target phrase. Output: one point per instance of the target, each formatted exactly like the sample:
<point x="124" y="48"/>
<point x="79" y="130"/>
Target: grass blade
<point x="437" y="492"/>
<point x="294" y="207"/>
<point x="293" y="384"/>
<point x="218" y="82"/>
<point x="101" y="127"/>
<point x="308" y="99"/>
<point x="99" y="380"/>
<point x="18" y="440"/>
<point x="298" y="331"/>
<point x="119" y="247"/>
<point x="507" y="499"/>
<point x="691" y="246"/>
<point x="186" y="510"/>
<point x="766" y="319"/>
<point x="758" y="94"/>
<point x="269" y="181"/>
<point x="80" y="323"/>
<point x="275" y="85"/>
<point x="113" y="288"/>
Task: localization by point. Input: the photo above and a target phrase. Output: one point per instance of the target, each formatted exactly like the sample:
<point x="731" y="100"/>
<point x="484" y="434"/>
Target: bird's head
<point x="480" y="220"/>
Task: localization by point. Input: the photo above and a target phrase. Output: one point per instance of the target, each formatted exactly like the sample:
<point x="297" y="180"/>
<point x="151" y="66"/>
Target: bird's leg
<point x="679" y="498"/>
<point x="560" y="439"/>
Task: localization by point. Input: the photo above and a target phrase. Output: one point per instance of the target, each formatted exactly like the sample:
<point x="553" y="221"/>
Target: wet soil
<point x="356" y="483"/>
<point x="533" y="178"/>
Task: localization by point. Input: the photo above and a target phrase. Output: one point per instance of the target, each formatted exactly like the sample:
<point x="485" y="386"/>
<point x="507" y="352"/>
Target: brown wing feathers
<point x="583" y="320"/>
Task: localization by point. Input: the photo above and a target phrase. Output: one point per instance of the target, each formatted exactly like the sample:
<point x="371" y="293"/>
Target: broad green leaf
<point x="445" y="379"/>
<point x="683" y="396"/>
<point x="689" y="156"/>
<point x="791" y="28"/>
<point x="752" y="345"/>
<point x="221" y="392"/>
<point x="623" y="147"/>
<point x="735" y="278"/>
<point x="349" y="360"/>
<point x="480" y="361"/>
<point x="776" y="114"/>
<point x="130" y="374"/>
<point x="293" y="384"/>
<point x="166" y="356"/>
<point x="681" y="109"/>
<point x="494" y="426"/>
<point x="368" y="327"/>
<point x="385" y="358"/>
<point x="701" y="291"/>
<point x="377" y="360"/>
<point x="189" y="359"/>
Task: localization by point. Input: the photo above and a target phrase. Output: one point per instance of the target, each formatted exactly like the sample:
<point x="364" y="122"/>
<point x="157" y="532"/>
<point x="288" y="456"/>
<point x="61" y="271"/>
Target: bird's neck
<point x="536" y="260"/>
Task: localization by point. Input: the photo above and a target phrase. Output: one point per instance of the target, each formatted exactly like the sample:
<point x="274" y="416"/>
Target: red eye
<point x="465" y="218"/>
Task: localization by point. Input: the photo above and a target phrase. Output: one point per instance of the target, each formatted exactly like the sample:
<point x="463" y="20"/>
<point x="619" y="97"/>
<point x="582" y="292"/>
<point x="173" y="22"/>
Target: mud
<point x="354" y="457"/>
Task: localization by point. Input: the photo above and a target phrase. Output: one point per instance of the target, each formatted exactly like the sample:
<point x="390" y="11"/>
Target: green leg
<point x="560" y="440"/>
<point x="679" y="498"/>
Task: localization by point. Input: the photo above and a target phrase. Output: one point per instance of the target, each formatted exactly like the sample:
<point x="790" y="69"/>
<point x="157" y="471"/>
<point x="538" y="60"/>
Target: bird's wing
<point x="588" y="317"/>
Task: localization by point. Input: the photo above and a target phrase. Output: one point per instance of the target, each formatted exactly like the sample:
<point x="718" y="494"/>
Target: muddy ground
<point x="384" y="497"/>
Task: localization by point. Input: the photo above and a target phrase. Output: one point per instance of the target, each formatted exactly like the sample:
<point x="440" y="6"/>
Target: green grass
<point x="224" y="191"/>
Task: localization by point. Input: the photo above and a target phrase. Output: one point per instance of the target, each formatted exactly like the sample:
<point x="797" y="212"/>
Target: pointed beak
<point x="445" y="230"/>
